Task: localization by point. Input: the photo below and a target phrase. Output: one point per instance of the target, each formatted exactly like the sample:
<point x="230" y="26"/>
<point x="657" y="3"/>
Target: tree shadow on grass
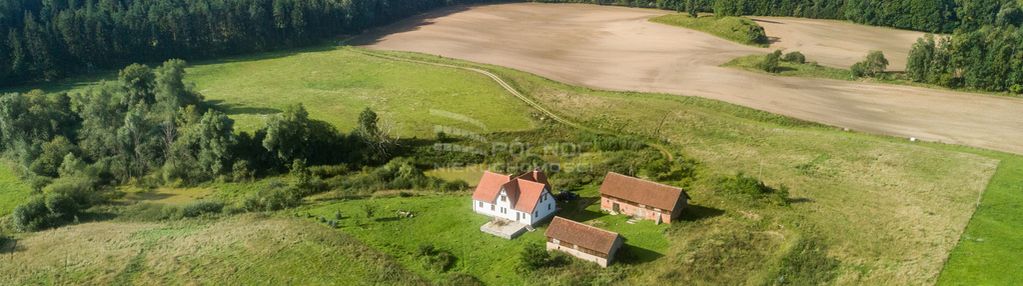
<point x="387" y="219"/>
<point x="766" y="21"/>
<point x="633" y="255"/>
<point x="782" y="69"/>
<point x="235" y="109"/>
<point x="697" y="213"/>
<point x="10" y="247"/>
<point x="799" y="200"/>
<point x="576" y="210"/>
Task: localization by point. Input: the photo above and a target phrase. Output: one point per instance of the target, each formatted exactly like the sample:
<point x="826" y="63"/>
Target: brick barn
<point x="641" y="198"/>
<point x="583" y="241"/>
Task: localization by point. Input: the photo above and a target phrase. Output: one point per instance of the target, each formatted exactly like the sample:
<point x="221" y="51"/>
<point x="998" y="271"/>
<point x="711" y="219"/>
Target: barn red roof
<point x="524" y="191"/>
<point x="641" y="191"/>
<point x="583" y="235"/>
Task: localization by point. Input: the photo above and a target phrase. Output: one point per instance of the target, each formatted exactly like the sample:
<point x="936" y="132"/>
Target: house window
<point x="548" y="206"/>
<point x="504" y="198"/>
<point x="504" y="210"/>
<point x="536" y="213"/>
<point x="481" y="204"/>
<point x="491" y="207"/>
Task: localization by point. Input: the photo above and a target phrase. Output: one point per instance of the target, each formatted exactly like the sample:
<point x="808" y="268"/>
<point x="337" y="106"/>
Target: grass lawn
<point x="13" y="191"/>
<point x="448" y="223"/>
<point x="890" y="210"/>
<point x="736" y="29"/>
<point x="335" y="85"/>
<point x="469" y="174"/>
<point x="167" y="195"/>
<point x="243" y="250"/>
<point x="988" y="252"/>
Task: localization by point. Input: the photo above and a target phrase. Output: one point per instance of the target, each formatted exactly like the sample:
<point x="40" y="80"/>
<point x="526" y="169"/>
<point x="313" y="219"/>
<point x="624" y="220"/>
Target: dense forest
<point x="49" y="39"/>
<point x="43" y="40"/>
<point x="149" y="129"/>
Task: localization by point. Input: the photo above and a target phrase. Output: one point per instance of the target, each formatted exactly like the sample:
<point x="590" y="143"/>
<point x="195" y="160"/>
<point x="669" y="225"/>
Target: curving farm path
<point x="616" y="48"/>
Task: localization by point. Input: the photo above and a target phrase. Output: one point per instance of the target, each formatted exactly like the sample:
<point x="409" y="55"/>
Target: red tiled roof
<point x="641" y="191"/>
<point x="583" y="235"/>
<point x="523" y="191"/>
<point x="529" y="195"/>
<point x="489" y="186"/>
<point x="535" y="176"/>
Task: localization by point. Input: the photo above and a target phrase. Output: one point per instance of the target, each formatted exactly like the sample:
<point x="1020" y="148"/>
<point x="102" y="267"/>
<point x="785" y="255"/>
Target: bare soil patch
<point x="616" y="48"/>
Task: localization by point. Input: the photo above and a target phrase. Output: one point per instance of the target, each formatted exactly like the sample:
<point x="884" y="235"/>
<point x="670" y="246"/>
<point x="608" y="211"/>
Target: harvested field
<point x="618" y="49"/>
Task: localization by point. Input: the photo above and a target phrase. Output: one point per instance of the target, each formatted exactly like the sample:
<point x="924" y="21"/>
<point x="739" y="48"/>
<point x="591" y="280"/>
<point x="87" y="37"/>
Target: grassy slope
<point x="12" y="190"/>
<point x="910" y="200"/>
<point x="730" y="28"/>
<point x="336" y="85"/>
<point x="242" y="250"/>
<point x="988" y="252"/>
<point x="812" y="70"/>
<point x="891" y="210"/>
<point x="448" y="223"/>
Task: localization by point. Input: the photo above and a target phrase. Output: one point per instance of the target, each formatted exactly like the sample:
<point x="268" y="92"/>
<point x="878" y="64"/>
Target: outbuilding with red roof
<point x="583" y="241"/>
<point x="641" y="198"/>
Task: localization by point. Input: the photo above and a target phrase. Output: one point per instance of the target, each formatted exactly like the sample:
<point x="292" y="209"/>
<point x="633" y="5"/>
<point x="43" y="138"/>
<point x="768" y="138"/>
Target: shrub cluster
<point x="873" y="66"/>
<point x="794" y="57"/>
<point x="533" y="257"/>
<point x="398" y="174"/>
<point x="771" y="62"/>
<point x="436" y="259"/>
<point x="273" y="198"/>
<point x="45" y="211"/>
<point x="752" y="189"/>
<point x="199" y="208"/>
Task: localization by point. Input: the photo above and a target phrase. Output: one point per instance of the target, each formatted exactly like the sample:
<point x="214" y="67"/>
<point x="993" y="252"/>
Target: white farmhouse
<point x="525" y="199"/>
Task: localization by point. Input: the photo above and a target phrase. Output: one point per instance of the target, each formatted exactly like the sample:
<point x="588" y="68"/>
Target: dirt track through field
<point x="618" y="49"/>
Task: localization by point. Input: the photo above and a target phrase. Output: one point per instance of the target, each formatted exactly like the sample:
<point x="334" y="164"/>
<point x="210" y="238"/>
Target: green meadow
<point x="876" y="201"/>
<point x="736" y="29"/>
<point x="885" y="210"/>
<point x="13" y="191"/>
<point x="447" y="222"/>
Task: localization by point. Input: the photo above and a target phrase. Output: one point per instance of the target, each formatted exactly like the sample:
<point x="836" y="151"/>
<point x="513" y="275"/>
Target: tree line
<point x="938" y="16"/>
<point x="49" y="39"/>
<point x="989" y="58"/>
<point x="150" y="128"/>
